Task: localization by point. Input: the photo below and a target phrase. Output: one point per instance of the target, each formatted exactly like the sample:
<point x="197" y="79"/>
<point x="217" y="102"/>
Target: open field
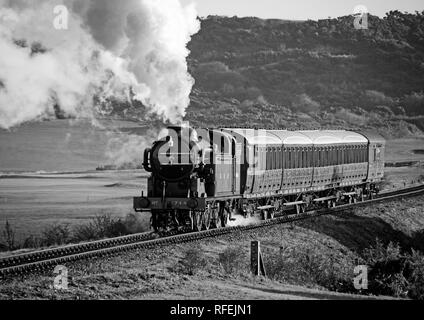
<point x="31" y="203"/>
<point x="398" y="150"/>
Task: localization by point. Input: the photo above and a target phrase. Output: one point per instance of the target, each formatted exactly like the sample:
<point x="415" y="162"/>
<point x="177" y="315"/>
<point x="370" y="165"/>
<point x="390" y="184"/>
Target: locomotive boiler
<point x="202" y="178"/>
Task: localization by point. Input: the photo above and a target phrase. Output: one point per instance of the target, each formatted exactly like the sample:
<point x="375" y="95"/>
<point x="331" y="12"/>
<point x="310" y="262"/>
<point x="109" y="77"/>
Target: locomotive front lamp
<point x="192" y="203"/>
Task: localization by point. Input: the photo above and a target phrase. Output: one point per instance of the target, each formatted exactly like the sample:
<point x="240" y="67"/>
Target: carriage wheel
<point x="217" y="221"/>
<point x="216" y="218"/>
<point x="224" y="219"/>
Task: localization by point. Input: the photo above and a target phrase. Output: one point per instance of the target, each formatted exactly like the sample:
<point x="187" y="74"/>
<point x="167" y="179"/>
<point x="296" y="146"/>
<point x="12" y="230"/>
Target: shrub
<point x="56" y="234"/>
<point x="104" y="226"/>
<point x="304" y="103"/>
<point x="308" y="266"/>
<point x="32" y="242"/>
<point x="232" y="259"/>
<point x="416" y="280"/>
<point x="193" y="260"/>
<point x="393" y="272"/>
<point x="414" y="103"/>
<point x="9" y="236"/>
<point x="374" y="98"/>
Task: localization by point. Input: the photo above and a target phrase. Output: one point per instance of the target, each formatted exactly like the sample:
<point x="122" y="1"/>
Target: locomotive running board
<point x="295" y="203"/>
<point x="325" y="199"/>
<point x="172" y="204"/>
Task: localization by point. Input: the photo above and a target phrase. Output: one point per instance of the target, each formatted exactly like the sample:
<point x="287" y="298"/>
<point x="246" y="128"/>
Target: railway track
<point x="47" y="259"/>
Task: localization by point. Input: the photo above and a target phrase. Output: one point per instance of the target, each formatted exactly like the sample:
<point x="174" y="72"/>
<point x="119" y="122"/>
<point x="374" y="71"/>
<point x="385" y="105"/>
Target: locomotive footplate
<point x="143" y="203"/>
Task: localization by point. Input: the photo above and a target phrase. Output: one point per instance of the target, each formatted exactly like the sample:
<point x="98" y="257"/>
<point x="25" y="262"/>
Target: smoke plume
<point x="128" y="50"/>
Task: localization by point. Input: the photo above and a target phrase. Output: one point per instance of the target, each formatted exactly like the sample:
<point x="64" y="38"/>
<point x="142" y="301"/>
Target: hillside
<point x="275" y="73"/>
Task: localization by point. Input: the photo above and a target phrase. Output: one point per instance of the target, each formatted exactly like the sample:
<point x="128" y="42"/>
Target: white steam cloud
<point x="131" y="49"/>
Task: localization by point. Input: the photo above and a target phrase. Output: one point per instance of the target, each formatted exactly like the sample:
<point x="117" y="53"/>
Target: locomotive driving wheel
<point x="197" y="220"/>
<point x="224" y="218"/>
<point x="215" y="215"/>
<point x="207" y="217"/>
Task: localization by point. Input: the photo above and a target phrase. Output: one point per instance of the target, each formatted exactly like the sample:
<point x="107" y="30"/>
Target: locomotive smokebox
<point x="170" y="157"/>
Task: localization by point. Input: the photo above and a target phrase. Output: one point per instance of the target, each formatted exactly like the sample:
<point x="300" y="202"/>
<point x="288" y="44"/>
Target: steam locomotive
<point x="203" y="178"/>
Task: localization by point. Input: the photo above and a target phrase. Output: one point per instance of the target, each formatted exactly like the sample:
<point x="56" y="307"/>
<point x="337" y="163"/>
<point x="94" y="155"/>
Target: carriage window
<point x="275" y="158"/>
<point x="354" y="154"/>
<point x="279" y="159"/>
<point x="308" y="158"/>
<point x="289" y="158"/>
<point x="327" y="156"/>
<point x="347" y="155"/>
<point x="268" y="158"/>
<point x="319" y="154"/>
<point x="344" y="155"/>
<point x="348" y="161"/>
<point x="358" y="154"/>
<point x="300" y="154"/>
<point x="299" y="158"/>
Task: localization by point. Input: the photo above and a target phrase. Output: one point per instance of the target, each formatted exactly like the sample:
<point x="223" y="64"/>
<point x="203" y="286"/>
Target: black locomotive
<point x="201" y="178"/>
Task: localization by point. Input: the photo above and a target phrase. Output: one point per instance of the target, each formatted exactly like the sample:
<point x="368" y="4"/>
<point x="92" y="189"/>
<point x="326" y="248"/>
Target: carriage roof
<point x="304" y="137"/>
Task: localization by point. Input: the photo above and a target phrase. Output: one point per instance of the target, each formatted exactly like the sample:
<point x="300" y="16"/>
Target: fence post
<point x="256" y="261"/>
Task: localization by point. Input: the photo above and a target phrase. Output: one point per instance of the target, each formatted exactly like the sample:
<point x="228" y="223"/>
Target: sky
<point x="300" y="9"/>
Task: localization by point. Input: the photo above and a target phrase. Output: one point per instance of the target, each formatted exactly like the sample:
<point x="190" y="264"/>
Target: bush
<point x="374" y="98"/>
<point x="414" y="103"/>
<point x="416" y="280"/>
<point x="32" y="242"/>
<point x="307" y="266"/>
<point x="193" y="260"/>
<point x="304" y="103"/>
<point x="56" y="234"/>
<point x="100" y="227"/>
<point x="9" y="237"/>
<point x="232" y="259"/>
<point x="393" y="272"/>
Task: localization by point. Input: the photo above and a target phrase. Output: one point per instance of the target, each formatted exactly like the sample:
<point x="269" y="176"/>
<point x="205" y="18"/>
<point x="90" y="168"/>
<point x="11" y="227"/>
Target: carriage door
<point x="224" y="167"/>
<point x="236" y="150"/>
